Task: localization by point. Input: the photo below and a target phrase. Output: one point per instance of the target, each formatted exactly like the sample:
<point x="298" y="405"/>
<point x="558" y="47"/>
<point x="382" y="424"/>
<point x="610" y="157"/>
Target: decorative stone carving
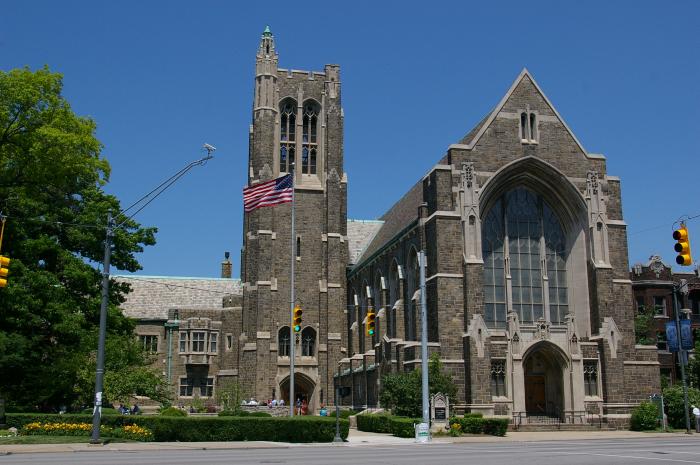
<point x="597" y="219"/>
<point x="265" y="173"/>
<point x="478" y="332"/>
<point x="542" y="329"/>
<point x="333" y="176"/>
<point x="469" y="212"/>
<point x="514" y="332"/>
<point x="571" y="334"/>
<point x="656" y="265"/>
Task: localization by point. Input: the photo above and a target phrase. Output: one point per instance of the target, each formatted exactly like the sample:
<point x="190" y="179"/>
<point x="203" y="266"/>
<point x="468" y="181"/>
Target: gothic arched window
<point x="308" y="342"/>
<point x="413" y="285"/>
<point x="522" y="231"/>
<point x="309" y="137"/>
<point x="288" y="114"/>
<point x="283" y="342"/>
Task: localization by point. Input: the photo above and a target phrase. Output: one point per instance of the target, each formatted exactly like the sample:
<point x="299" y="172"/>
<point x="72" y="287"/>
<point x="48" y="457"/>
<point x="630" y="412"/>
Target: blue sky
<point x="162" y="78"/>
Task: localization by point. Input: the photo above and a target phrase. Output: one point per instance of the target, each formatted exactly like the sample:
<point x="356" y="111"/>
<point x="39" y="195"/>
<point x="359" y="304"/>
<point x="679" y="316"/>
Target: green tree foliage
<point x="644" y="326"/>
<point x="229" y="395"/>
<point x="51" y="180"/>
<point x="675" y="406"/>
<point x="694" y="364"/>
<point x="401" y="392"/>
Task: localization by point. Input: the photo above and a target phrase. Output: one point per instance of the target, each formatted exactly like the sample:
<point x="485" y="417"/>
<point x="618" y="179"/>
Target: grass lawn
<point x="38" y="439"/>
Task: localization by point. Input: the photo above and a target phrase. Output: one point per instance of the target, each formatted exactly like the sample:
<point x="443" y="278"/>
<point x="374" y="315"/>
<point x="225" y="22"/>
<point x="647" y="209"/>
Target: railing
<point x="555" y="418"/>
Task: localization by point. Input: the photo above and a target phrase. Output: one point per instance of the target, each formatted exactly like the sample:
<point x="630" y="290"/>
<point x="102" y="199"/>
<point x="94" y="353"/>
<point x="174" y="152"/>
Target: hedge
<point x="374" y="423"/>
<point x="475" y="424"/>
<point x="383" y="423"/>
<point x="197" y="429"/>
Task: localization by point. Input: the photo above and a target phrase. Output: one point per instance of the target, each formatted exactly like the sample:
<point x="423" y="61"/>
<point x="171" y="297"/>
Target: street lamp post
<point x="100" y="369"/>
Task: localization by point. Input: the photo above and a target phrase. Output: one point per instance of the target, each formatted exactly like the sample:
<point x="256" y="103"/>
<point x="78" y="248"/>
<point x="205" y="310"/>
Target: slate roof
<point x="360" y="233"/>
<point x="152" y="296"/>
<point x="396" y="219"/>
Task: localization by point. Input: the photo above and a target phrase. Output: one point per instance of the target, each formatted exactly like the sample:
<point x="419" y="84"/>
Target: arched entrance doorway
<point x="544" y="381"/>
<point x="303" y="390"/>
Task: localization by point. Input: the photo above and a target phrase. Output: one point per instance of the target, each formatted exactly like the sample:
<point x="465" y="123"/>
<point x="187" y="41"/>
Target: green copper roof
<point x="267" y="31"/>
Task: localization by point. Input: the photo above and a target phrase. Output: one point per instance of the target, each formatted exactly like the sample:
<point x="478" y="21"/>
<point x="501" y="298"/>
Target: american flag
<point x="268" y="193"/>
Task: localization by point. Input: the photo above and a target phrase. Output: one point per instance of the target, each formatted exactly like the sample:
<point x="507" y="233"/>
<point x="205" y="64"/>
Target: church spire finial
<point x="267" y="32"/>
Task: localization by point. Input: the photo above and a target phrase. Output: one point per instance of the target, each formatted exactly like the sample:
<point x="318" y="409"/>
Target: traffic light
<point x="371" y="321"/>
<point x="4" y="263"/>
<point x="682" y="246"/>
<point x="297" y="318"/>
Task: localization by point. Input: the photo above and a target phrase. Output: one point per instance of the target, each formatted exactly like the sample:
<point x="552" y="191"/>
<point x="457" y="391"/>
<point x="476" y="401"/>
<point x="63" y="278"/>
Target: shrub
<point x="230" y="413"/>
<point x="173" y="412"/>
<point x="197" y="429"/>
<point x="472" y="425"/>
<point x="343" y="413"/>
<point x="644" y="417"/>
<point x="495" y="426"/>
<point x="474" y="415"/>
<point x="260" y="414"/>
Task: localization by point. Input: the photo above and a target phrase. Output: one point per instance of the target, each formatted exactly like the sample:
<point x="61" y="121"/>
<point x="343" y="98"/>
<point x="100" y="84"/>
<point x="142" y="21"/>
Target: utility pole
<point x="100" y="370"/>
<point x="424" y="341"/>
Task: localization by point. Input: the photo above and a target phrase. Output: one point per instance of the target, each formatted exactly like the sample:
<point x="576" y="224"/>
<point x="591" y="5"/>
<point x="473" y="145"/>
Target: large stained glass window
<point x="522" y="231"/>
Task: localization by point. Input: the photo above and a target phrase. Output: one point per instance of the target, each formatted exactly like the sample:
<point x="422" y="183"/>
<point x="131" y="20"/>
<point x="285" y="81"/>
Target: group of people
<point x="270" y="402"/>
<point x="124" y="410"/>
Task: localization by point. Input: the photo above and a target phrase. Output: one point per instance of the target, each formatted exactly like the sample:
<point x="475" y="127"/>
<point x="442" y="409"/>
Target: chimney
<point x="226" y="266"/>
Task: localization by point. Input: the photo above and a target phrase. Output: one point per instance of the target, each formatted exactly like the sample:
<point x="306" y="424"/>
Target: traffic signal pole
<point x="682" y="356"/>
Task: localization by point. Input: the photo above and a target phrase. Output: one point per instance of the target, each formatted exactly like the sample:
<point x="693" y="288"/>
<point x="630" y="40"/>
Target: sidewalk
<point x="355" y="439"/>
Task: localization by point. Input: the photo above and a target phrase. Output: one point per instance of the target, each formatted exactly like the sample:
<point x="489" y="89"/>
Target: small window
<point x="498" y="378"/>
<point x="186" y="385"/>
<point x="229" y="341"/>
<point x="590" y="377"/>
<point x="198" y="341"/>
<point x="213" y="339"/>
<point x="149" y="343"/>
<point x="207" y="388"/>
<point x="640" y="304"/>
<point x="298" y="247"/>
<point x="283" y="342"/>
<point x="308" y="342"/>
<point x="528" y="127"/>
<point x="659" y="305"/>
<point x="183" y="342"/>
<point x="661" y="343"/>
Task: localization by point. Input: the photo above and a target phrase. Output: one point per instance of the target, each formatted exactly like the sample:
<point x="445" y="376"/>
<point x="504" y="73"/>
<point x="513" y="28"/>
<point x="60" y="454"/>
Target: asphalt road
<point x="613" y="452"/>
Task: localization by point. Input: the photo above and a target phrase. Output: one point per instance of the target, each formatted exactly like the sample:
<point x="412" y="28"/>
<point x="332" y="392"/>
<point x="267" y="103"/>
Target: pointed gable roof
<point x="471" y="139"/>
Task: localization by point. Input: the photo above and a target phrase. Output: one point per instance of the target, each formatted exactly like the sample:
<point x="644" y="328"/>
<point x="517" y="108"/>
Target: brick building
<point x="529" y="294"/>
<point x="652" y="285"/>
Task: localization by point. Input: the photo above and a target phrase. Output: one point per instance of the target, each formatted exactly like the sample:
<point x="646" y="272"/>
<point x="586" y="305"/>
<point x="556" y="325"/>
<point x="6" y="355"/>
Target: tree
<point x="644" y="326"/>
<point x="402" y="392"/>
<point x="51" y="188"/>
<point x="229" y="396"/>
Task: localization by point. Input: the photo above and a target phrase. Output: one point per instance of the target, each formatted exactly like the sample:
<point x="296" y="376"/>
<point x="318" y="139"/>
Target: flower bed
<point x="132" y="432"/>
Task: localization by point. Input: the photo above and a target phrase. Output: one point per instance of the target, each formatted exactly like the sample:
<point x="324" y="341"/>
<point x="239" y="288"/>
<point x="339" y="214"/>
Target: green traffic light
<point x="297" y="328"/>
<point x="371" y="331"/>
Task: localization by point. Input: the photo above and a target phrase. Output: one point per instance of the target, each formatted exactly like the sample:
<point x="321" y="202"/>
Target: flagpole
<point x="292" y="336"/>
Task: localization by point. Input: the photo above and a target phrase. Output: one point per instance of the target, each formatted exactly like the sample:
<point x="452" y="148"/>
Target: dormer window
<point x="528" y="127"/>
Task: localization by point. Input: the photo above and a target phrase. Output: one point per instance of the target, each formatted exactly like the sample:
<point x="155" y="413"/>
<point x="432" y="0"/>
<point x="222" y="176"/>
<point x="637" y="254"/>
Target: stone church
<point x="528" y="288"/>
